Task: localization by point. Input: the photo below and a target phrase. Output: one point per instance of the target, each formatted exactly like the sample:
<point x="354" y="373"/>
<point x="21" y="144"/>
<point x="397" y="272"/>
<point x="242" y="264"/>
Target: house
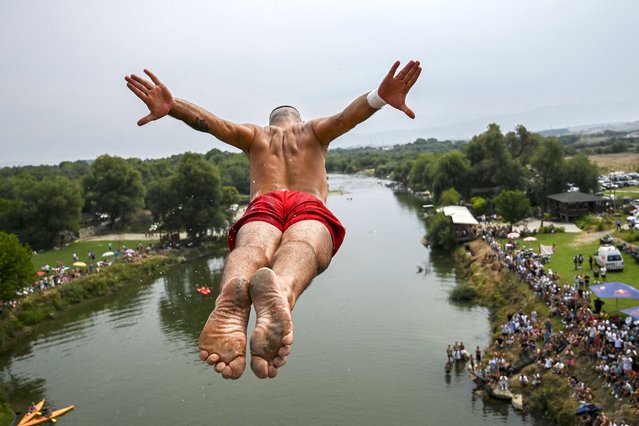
<point x="570" y="205"/>
<point x="465" y="226"/>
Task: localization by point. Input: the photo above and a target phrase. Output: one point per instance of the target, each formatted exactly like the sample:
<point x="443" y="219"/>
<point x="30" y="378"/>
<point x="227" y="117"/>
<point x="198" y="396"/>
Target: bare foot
<point x="223" y="339"/>
<point x="273" y="335"/>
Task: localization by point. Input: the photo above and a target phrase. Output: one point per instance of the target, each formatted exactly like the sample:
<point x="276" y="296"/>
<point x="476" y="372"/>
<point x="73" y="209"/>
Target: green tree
<point x="230" y="195"/>
<point x="440" y="231"/>
<point x="114" y="187"/>
<point x="16" y="269"/>
<point x="199" y="197"/>
<point x="549" y="165"/>
<point x="512" y="206"/>
<point x="418" y="177"/>
<point x="401" y="170"/>
<point x="450" y="197"/>
<point x="491" y="162"/>
<point x="40" y="211"/>
<point x="522" y="144"/>
<point x="583" y="173"/>
<point x="161" y="200"/>
<point x="449" y="170"/>
<point x="479" y="205"/>
<point x="234" y="169"/>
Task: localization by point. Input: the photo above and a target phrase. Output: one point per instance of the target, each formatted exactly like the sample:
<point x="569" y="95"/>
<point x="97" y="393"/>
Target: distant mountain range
<point x="550" y="120"/>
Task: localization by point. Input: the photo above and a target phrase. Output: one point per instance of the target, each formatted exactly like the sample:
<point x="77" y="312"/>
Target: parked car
<point x="606" y="240"/>
<point x="610" y="257"/>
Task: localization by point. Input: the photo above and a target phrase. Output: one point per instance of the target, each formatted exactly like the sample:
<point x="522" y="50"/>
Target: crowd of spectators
<point x="62" y="273"/>
<point x="607" y="343"/>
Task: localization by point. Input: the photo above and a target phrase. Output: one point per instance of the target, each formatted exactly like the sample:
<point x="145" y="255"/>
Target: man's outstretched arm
<point x="392" y="90"/>
<point x="160" y="101"/>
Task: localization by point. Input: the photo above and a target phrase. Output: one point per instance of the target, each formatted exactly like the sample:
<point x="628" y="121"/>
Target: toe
<point x="228" y="373"/>
<point x="220" y="366"/>
<point x="212" y="359"/>
<point x="279" y="361"/>
<point x="272" y="371"/>
<point x="284" y="351"/>
<point x="259" y="367"/>
<point x="287" y="340"/>
<point x="237" y="367"/>
<point x="204" y="355"/>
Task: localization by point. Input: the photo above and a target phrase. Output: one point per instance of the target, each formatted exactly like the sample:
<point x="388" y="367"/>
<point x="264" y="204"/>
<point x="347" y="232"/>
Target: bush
<point x="629" y="236"/>
<point x="463" y="293"/>
<point x="98" y="285"/>
<point x="34" y="316"/>
<point x="440" y="231"/>
<point x="73" y="292"/>
<point x="551" y="229"/>
<point x="550" y="398"/>
<point x="598" y="223"/>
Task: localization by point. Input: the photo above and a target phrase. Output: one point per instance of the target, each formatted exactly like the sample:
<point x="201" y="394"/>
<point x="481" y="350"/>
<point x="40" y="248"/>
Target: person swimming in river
<point x="287" y="235"/>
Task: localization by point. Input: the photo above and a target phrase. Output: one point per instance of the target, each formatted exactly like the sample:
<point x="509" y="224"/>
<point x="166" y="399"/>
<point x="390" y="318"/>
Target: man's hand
<point x="394" y="88"/>
<point x="156" y="96"/>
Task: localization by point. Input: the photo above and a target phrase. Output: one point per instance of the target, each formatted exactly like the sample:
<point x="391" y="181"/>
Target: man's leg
<point x="305" y="251"/>
<point x="223" y="339"/>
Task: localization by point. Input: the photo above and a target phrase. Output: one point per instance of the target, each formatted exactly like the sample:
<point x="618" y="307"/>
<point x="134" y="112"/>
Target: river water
<point x="370" y="339"/>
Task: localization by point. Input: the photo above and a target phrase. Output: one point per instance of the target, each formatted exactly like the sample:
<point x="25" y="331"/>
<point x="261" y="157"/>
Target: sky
<point x="64" y="62"/>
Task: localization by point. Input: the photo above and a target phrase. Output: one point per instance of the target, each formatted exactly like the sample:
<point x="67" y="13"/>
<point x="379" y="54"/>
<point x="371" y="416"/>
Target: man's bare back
<point x="273" y="258"/>
<point x="288" y="156"/>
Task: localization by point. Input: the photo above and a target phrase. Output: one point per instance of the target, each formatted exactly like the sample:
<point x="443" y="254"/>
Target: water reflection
<point x="182" y="309"/>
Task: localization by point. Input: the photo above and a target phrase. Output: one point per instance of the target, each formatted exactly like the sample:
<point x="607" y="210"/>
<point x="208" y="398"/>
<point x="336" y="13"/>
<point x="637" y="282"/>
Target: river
<point x="370" y="339"/>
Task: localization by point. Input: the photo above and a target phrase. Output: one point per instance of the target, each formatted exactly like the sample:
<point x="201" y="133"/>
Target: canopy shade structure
<point x="615" y="290"/>
<point x="633" y="312"/>
<point x="460" y="215"/>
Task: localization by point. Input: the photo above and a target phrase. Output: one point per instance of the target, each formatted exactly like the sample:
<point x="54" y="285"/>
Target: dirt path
<point x="588" y="237"/>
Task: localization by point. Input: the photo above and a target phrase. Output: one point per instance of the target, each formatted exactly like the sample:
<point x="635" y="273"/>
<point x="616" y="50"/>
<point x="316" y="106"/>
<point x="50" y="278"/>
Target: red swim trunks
<point x="284" y="208"/>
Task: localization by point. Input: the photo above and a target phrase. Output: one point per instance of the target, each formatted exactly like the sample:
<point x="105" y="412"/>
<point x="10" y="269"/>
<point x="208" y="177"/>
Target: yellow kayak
<point x="31" y="414"/>
<point x="42" y="419"/>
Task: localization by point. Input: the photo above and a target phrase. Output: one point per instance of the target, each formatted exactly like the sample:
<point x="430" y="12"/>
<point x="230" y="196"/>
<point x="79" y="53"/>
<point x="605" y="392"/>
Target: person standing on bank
<point x="287" y="235"/>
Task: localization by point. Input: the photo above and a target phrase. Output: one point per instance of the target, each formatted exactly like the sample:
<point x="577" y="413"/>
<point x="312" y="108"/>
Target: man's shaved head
<point x="284" y="112"/>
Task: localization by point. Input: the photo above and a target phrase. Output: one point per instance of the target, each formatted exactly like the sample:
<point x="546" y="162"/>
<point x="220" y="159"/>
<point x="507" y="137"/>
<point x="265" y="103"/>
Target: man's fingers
<point x="153" y="77"/>
<point x="147" y="84"/>
<point x="411" y="71"/>
<point x="405" y="70"/>
<point x="391" y="73"/>
<point x="413" y="78"/>
<point x="137" y="92"/>
<point x="141" y="87"/>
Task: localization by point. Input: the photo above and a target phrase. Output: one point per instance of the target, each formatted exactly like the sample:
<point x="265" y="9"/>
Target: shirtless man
<point x="287" y="235"/>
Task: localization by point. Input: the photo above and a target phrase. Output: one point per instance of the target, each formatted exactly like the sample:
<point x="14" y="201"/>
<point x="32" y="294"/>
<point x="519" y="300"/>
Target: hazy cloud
<point x="64" y="96"/>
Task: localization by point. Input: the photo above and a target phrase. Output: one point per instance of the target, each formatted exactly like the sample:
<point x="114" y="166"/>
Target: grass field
<point x="567" y="246"/>
<point x="626" y="161"/>
<point x="65" y="255"/>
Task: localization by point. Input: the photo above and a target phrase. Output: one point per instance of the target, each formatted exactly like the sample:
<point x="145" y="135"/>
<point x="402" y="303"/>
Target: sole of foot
<point x="223" y="338"/>
<point x="273" y="335"/>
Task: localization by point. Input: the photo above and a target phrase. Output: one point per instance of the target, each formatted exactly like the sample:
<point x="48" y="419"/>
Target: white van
<point x="610" y="257"/>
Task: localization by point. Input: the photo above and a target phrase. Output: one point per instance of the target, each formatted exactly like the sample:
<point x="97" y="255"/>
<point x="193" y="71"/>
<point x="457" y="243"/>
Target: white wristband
<point x="374" y="100"/>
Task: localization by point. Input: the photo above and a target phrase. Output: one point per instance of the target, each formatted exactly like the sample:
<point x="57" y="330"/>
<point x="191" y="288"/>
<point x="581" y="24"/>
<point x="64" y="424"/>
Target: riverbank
<point x="571" y="378"/>
<point x="25" y="318"/>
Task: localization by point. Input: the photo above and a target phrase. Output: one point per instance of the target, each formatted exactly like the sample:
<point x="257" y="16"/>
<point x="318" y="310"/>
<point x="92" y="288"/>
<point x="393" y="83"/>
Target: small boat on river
<point x="204" y="290"/>
<point x="33" y="411"/>
<point x="52" y="417"/>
